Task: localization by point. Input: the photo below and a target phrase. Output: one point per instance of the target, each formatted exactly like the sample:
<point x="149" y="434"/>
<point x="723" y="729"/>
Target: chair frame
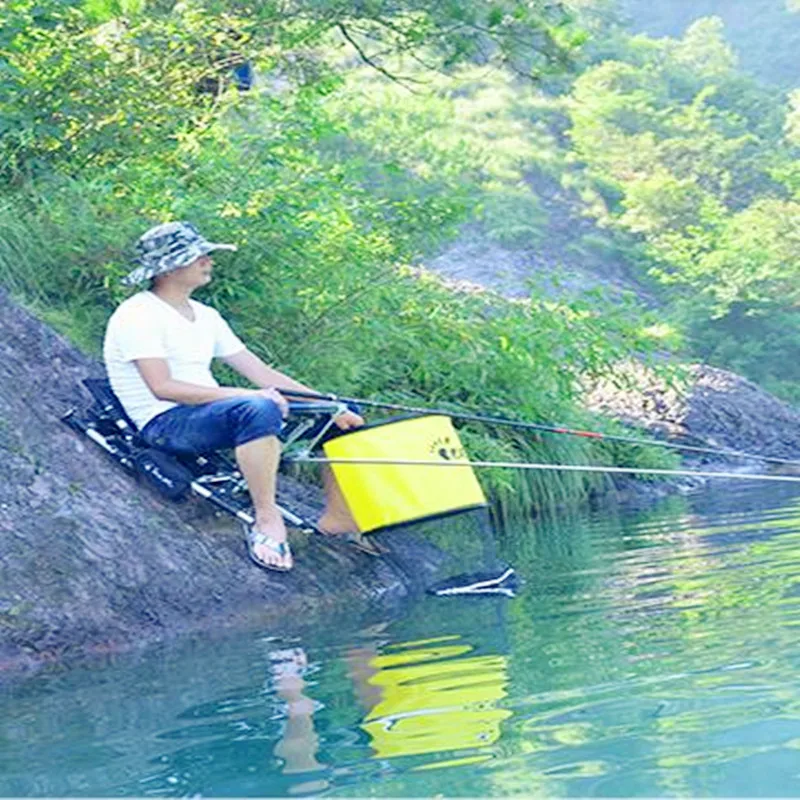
<point x="213" y="476"/>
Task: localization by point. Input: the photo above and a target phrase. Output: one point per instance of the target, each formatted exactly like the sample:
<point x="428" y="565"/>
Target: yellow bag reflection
<point x="379" y="495"/>
<point x="437" y="707"/>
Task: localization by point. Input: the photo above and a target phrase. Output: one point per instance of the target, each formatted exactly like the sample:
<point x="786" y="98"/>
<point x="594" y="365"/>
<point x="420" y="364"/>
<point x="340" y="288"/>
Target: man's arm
<point x="155" y="373"/>
<point x="250" y="366"/>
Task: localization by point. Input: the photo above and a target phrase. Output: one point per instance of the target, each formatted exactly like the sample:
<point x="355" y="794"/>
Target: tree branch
<point x="374" y="64"/>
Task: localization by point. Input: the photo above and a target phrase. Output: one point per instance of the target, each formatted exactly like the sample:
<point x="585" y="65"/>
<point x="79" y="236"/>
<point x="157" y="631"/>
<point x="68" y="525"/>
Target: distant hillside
<point x="764" y="33"/>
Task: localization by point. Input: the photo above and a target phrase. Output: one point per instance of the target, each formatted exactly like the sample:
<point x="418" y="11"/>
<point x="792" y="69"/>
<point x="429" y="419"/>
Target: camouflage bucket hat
<point x="168" y="247"/>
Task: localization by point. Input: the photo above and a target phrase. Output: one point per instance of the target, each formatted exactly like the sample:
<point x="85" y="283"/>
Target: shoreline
<point x="93" y="562"/>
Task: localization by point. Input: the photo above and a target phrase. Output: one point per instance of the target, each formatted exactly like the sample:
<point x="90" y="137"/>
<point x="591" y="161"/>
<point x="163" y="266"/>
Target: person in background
<point x="158" y="349"/>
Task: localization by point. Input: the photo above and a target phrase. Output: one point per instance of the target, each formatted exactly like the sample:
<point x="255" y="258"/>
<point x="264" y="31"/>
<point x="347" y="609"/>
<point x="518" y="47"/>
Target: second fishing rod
<point x="542" y="427"/>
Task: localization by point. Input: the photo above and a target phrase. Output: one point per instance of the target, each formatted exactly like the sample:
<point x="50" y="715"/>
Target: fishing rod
<point x="543" y="427"/>
<point x="526" y="465"/>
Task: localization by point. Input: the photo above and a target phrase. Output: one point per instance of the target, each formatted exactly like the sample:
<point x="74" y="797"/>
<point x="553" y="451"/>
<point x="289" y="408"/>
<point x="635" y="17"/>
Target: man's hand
<point x="347" y="420"/>
<point x="277" y="398"/>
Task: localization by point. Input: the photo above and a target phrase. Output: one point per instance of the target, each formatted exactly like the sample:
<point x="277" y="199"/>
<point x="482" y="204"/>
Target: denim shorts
<point x="222" y="425"/>
<point x="219" y="425"/>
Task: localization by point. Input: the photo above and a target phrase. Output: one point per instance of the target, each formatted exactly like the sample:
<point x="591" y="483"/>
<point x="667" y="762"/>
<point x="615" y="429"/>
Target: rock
<point x="705" y="405"/>
<point x="89" y="559"/>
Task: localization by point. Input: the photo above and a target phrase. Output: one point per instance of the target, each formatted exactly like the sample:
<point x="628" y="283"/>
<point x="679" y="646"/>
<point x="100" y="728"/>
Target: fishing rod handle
<point x="313" y="395"/>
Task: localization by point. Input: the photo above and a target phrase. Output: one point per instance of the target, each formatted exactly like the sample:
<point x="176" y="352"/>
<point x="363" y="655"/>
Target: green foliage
<point x="513" y="218"/>
<point x="474" y="132"/>
<point x="756" y="260"/>
<point x="121" y="113"/>
<point x="335" y="178"/>
<point x="793" y="118"/>
<point x="78" y="94"/>
<point x="695" y="161"/>
<point x="763" y="34"/>
<point x="754" y="342"/>
<point x="93" y="82"/>
<point x="319" y="288"/>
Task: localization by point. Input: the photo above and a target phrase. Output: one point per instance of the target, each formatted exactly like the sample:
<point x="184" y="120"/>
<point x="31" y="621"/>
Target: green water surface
<point x="648" y="653"/>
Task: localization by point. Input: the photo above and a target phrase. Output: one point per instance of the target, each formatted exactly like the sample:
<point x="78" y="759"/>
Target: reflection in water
<point x="298" y="743"/>
<point x="424" y="697"/>
<point x="671" y="665"/>
<point x="432" y="699"/>
<point x="655" y="653"/>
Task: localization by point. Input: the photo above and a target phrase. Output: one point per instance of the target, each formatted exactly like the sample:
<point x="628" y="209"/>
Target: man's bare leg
<point x="336" y="518"/>
<point x="258" y="462"/>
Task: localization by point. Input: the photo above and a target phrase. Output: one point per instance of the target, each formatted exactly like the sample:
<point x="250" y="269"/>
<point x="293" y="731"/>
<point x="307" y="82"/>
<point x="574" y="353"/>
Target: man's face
<point x="198" y="273"/>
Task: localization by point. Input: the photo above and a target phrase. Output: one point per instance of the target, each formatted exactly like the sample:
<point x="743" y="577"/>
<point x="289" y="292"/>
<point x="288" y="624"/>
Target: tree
<point x="695" y="160"/>
<point x="95" y="81"/>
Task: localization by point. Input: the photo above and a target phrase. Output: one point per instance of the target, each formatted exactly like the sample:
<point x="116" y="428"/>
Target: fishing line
<point x="545" y="428"/>
<point x="555" y="467"/>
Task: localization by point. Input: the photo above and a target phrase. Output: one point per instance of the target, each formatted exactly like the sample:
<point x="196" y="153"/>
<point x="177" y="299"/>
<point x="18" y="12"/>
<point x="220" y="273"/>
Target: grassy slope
<point x="330" y="202"/>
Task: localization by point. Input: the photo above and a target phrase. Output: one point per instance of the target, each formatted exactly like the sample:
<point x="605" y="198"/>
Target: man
<point x="158" y="349"/>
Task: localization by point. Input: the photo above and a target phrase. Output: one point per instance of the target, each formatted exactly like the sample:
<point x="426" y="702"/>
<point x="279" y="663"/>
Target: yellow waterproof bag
<point x="379" y="495"/>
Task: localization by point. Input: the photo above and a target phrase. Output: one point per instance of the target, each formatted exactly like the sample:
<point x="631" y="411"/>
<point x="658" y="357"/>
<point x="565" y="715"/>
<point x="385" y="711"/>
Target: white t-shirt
<point x="145" y="326"/>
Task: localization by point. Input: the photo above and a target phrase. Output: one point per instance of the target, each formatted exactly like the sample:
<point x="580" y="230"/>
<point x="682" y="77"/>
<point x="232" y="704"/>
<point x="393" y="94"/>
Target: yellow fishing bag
<point x="380" y="495"/>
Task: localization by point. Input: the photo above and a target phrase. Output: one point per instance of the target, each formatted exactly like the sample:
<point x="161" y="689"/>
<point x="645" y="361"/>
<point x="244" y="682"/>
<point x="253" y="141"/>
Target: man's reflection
<point x="425" y="697"/>
<point x="299" y="743"/>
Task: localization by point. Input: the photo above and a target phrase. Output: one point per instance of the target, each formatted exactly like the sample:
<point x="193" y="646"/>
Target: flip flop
<point x="365" y="545"/>
<point x="358" y="541"/>
<point x="255" y="538"/>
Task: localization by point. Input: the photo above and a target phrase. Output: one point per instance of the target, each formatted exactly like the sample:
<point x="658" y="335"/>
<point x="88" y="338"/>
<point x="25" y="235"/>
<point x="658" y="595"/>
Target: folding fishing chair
<point x="212" y="476"/>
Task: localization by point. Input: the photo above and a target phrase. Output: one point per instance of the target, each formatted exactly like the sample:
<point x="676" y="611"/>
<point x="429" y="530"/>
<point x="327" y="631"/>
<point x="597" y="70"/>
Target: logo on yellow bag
<point x="447" y="449"/>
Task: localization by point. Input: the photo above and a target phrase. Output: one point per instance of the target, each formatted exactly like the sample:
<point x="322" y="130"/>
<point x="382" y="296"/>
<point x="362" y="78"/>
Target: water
<point x="655" y="653"/>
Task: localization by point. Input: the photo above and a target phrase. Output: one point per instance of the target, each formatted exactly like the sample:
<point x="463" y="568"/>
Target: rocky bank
<point x="90" y="560"/>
